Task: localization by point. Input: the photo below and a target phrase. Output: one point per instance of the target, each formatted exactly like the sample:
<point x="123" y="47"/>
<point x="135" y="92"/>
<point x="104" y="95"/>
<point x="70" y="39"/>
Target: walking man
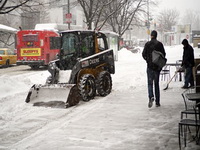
<point x="188" y="64"/>
<point x="153" y="71"/>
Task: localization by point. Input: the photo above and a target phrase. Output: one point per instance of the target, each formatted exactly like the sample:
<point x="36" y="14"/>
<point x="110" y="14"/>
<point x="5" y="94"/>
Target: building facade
<point x="55" y="11"/>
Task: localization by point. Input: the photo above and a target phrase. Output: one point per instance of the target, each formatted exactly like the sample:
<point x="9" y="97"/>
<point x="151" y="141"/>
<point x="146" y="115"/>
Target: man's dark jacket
<point x="147" y="52"/>
<point x="188" y="56"/>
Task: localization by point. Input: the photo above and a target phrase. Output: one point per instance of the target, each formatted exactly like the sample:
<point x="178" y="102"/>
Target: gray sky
<point x="180" y="5"/>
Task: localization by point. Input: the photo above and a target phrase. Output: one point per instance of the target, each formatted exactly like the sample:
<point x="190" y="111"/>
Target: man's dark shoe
<point x="191" y="86"/>
<point x="151" y="102"/>
<point x="184" y="87"/>
<point x="158" y="105"/>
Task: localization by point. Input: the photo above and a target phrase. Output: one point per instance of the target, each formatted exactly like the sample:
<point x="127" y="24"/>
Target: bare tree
<point x="7" y="6"/>
<point x="168" y="18"/>
<point x="7" y="39"/>
<point x="93" y="10"/>
<point x="10" y="13"/>
<point x="118" y="14"/>
<point x="192" y="17"/>
<point x="127" y="15"/>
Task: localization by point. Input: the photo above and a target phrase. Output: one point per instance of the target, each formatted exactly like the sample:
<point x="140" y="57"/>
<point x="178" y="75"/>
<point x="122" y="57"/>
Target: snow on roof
<point x="50" y="26"/>
<point x="109" y="32"/>
<point x="7" y="29"/>
<point x="56" y="27"/>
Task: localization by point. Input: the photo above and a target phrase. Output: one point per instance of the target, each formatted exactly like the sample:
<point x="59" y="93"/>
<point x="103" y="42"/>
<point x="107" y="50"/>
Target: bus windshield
<point x="30" y="38"/>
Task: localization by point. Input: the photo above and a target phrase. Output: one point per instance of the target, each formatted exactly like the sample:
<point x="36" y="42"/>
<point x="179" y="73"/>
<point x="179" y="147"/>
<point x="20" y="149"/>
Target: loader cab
<point x="80" y="44"/>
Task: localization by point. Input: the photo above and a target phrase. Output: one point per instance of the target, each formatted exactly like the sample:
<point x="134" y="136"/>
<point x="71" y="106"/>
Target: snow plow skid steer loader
<point x="82" y="70"/>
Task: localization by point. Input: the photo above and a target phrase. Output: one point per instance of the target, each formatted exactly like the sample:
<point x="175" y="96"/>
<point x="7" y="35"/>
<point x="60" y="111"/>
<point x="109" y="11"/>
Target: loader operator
<point x="153" y="71"/>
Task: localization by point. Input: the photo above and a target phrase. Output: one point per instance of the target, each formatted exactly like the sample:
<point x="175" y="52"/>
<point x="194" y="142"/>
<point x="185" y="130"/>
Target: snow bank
<point x="11" y="85"/>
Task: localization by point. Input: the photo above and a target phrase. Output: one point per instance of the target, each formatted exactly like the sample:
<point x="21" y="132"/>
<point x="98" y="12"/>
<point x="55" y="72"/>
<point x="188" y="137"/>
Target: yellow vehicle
<point x="7" y="57"/>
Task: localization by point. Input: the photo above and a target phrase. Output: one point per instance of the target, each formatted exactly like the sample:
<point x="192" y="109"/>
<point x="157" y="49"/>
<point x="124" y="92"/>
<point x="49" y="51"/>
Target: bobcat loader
<point x="82" y="70"/>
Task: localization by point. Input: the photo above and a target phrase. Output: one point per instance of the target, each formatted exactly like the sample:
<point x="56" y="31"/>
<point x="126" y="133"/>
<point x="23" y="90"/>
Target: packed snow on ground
<point x="119" y="121"/>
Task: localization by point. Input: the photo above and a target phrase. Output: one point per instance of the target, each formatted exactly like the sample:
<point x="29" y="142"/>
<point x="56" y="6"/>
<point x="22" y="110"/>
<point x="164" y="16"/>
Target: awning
<point x="5" y="28"/>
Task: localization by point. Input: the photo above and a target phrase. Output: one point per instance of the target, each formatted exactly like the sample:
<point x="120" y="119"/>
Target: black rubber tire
<point x="104" y="83"/>
<point x="87" y="87"/>
<point x="7" y="63"/>
<point x="34" y="67"/>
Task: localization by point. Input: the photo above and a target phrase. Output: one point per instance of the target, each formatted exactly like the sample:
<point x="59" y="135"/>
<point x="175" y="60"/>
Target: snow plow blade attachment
<point x="64" y="93"/>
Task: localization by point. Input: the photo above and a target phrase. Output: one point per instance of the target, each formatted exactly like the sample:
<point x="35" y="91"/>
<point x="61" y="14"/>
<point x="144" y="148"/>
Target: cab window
<point x="102" y="44"/>
<point x="69" y="43"/>
<point x="88" y="45"/>
<point x="10" y="52"/>
<point x="2" y="52"/>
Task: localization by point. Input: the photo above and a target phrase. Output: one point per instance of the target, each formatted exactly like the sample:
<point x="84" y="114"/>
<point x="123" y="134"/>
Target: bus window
<point x="30" y="38"/>
<point x="54" y="42"/>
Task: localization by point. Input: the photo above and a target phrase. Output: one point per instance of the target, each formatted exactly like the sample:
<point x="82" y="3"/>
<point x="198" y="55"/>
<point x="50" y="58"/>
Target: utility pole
<point x="148" y="20"/>
<point x="68" y="13"/>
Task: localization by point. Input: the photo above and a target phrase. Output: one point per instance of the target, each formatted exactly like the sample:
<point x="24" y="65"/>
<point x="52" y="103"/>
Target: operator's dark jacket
<point x="154" y="44"/>
<point x="188" y="56"/>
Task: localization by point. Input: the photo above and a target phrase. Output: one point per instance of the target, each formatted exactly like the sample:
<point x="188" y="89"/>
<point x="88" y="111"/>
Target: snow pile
<point x="131" y="75"/>
<point x="11" y="85"/>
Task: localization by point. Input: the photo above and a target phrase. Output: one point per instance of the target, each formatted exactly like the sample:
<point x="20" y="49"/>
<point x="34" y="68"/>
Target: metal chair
<point x="165" y="72"/>
<point x="188" y="104"/>
<point x="184" y="125"/>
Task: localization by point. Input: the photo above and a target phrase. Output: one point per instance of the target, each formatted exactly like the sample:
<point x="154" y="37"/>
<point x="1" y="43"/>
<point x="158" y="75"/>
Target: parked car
<point x="7" y="57"/>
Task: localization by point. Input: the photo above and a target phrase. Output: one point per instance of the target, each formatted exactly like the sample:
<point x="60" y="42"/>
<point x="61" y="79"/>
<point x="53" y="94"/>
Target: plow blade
<point x="65" y="93"/>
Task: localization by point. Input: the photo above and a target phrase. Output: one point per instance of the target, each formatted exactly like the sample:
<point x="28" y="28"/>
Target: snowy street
<point x="119" y="121"/>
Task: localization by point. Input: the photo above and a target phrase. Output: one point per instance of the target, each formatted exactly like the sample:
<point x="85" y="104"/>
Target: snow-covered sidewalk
<point x="119" y="121"/>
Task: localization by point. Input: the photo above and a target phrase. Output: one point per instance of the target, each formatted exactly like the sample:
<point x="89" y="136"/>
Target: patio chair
<point x="165" y="72"/>
<point x="188" y="104"/>
<point x="184" y="125"/>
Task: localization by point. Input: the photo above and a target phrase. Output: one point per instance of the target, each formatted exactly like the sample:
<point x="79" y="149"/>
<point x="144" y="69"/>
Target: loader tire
<point x="7" y="63"/>
<point x="74" y="97"/>
<point x="104" y="83"/>
<point x="87" y="87"/>
<point x="34" y="67"/>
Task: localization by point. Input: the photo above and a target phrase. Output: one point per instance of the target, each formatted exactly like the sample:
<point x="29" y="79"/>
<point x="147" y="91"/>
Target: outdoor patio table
<point x="193" y="97"/>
